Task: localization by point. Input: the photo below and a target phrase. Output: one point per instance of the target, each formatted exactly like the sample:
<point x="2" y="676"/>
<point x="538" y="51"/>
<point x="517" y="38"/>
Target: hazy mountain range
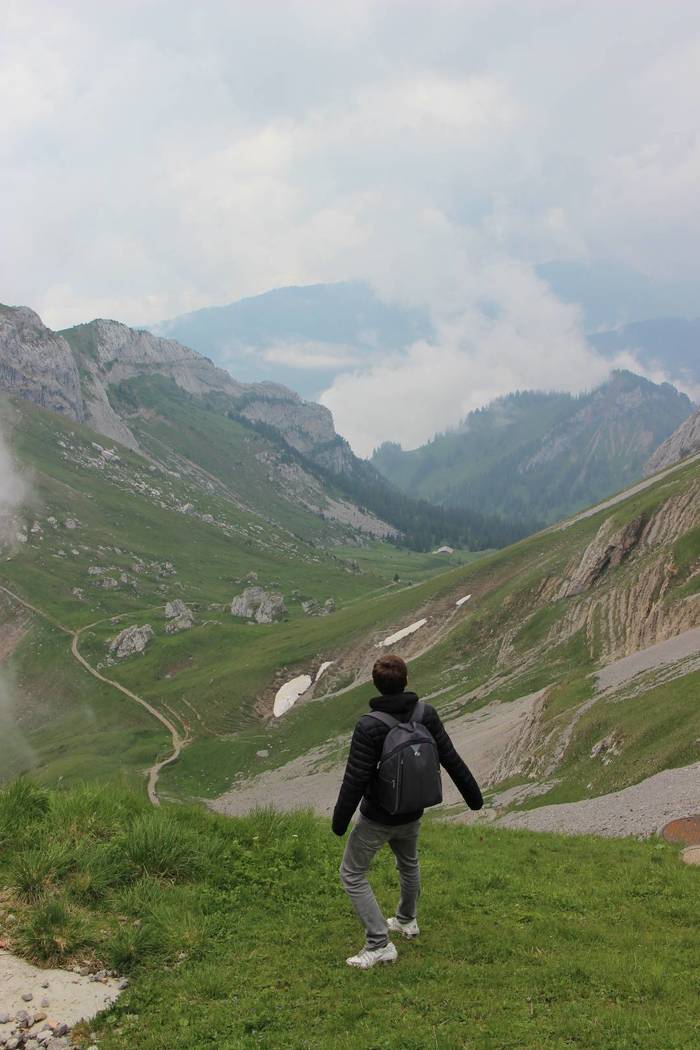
<point x="306" y="336"/>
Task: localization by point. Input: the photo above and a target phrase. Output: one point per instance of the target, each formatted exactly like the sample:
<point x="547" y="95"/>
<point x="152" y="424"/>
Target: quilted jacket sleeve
<point x="358" y="773"/>
<point x="451" y="761"/>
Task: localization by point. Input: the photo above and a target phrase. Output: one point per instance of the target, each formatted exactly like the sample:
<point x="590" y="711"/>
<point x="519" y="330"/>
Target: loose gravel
<point x="640" y="810"/>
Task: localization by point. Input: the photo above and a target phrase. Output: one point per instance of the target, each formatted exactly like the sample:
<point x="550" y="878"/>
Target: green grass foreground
<point x="235" y="932"/>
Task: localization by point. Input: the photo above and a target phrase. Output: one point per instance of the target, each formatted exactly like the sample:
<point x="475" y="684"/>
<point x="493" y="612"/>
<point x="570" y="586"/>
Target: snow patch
<point x="461" y="601"/>
<point x="403" y="633"/>
<point x="322" y="669"/>
<point x="288" y="695"/>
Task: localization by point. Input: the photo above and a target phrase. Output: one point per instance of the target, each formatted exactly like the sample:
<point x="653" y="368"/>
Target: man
<point x="376" y="826"/>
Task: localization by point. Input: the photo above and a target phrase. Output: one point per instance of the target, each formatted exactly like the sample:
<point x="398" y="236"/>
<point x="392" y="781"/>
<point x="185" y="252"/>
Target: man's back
<point x="365" y="753"/>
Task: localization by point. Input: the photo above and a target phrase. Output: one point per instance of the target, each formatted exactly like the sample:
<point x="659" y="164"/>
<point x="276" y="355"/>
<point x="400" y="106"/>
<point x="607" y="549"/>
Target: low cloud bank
<point x="13" y="491"/>
<point x="501" y="329"/>
<point x="16" y="754"/>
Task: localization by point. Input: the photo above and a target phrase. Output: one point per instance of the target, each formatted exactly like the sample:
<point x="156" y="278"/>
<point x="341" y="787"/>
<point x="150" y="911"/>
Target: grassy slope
<point x="235" y="932"/>
<point x="505" y="585"/>
<point x="220" y="667"/>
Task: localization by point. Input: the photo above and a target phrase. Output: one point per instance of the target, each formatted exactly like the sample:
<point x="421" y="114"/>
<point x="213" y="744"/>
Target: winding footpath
<point x="178" y="741"/>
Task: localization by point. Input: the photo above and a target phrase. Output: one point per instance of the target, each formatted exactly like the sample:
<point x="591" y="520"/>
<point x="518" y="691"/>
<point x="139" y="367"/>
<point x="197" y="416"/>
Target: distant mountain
<point x="542" y="454"/>
<point x="668" y="343"/>
<point x="150" y="393"/>
<point x="298" y="335"/>
<point x="305" y="336"/>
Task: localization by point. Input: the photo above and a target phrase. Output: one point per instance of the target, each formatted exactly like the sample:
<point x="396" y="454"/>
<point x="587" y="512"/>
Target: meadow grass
<point x="235" y="932"/>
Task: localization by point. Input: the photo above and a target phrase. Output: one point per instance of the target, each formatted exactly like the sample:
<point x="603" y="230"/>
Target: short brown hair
<point x="390" y="674"/>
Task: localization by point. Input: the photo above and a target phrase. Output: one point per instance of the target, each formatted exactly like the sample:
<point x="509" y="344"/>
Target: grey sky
<point x="162" y="156"/>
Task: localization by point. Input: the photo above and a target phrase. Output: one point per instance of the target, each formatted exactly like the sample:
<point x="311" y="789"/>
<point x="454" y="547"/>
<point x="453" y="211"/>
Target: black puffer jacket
<point x="365" y="752"/>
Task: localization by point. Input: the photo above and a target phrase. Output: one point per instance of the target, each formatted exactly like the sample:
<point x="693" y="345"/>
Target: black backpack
<point x="407" y="777"/>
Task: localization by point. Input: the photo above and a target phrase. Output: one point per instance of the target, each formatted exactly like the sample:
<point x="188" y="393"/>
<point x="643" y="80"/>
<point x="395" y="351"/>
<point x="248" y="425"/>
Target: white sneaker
<point x="369" y="957"/>
<point x="408" y="929"/>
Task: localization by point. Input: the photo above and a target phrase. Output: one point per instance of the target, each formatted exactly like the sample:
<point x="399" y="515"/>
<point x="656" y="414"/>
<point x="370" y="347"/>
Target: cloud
<point x="161" y="157"/>
<point x="530" y="340"/>
<point x="184" y="157"/>
<point x="310" y="355"/>
<point x="16" y="753"/>
<point x="13" y="492"/>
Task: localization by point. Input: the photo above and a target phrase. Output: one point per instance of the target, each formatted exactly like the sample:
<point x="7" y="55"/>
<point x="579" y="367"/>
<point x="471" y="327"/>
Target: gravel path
<point x="179" y="742"/>
<point x="640" y="810"/>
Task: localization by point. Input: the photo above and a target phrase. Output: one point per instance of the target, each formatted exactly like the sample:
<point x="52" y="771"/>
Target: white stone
<point x="461" y="601"/>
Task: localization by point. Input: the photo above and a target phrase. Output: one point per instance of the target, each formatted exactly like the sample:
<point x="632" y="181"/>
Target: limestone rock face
<point x="260" y="605"/>
<point x="131" y="640"/>
<point x="37" y="365"/>
<point x="607" y="550"/>
<point x="682" y="442"/>
<point x="306" y="426"/>
<point x="180" y="617"/>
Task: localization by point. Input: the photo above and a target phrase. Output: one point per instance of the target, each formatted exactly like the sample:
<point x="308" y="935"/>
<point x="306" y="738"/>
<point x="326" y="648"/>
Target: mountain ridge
<point x="552" y="451"/>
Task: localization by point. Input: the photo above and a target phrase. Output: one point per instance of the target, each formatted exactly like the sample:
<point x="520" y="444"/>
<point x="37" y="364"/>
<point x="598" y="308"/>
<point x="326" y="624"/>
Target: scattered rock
<point x="260" y="605"/>
<point x="607" y="748"/>
<point x="181" y="618"/>
<point x="72" y="523"/>
<point x="130" y="641"/>
<point x="27" y="997"/>
<point x="263" y="753"/>
<point x="328" y="606"/>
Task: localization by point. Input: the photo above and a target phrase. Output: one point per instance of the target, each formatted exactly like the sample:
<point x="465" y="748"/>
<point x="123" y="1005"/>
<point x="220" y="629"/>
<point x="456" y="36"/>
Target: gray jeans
<point x="366" y="838"/>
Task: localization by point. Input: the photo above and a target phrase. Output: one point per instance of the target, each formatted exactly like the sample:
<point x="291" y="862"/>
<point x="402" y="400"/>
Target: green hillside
<point x="107" y="544"/>
<point x="543" y="455"/>
<point x="234" y="932"/>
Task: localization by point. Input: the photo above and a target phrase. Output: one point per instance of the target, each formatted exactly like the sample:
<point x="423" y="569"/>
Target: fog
<point x="15" y="752"/>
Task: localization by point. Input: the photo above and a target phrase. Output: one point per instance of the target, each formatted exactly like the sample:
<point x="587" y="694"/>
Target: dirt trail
<point x="178" y="741"/>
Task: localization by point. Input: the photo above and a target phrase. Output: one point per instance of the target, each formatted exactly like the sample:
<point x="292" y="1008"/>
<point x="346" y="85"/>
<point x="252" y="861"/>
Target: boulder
<point x="180" y="617"/>
<point x="131" y="640"/>
<point x="258" y="604"/>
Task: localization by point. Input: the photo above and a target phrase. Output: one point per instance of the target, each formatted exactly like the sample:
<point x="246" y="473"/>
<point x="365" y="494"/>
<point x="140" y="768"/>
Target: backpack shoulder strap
<point x="418" y="712"/>
<point x="385" y="717"/>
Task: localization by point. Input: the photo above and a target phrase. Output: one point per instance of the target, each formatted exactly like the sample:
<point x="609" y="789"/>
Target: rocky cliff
<point x="72" y="371"/>
<point x="683" y="442"/>
<point x="37" y="364"/>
